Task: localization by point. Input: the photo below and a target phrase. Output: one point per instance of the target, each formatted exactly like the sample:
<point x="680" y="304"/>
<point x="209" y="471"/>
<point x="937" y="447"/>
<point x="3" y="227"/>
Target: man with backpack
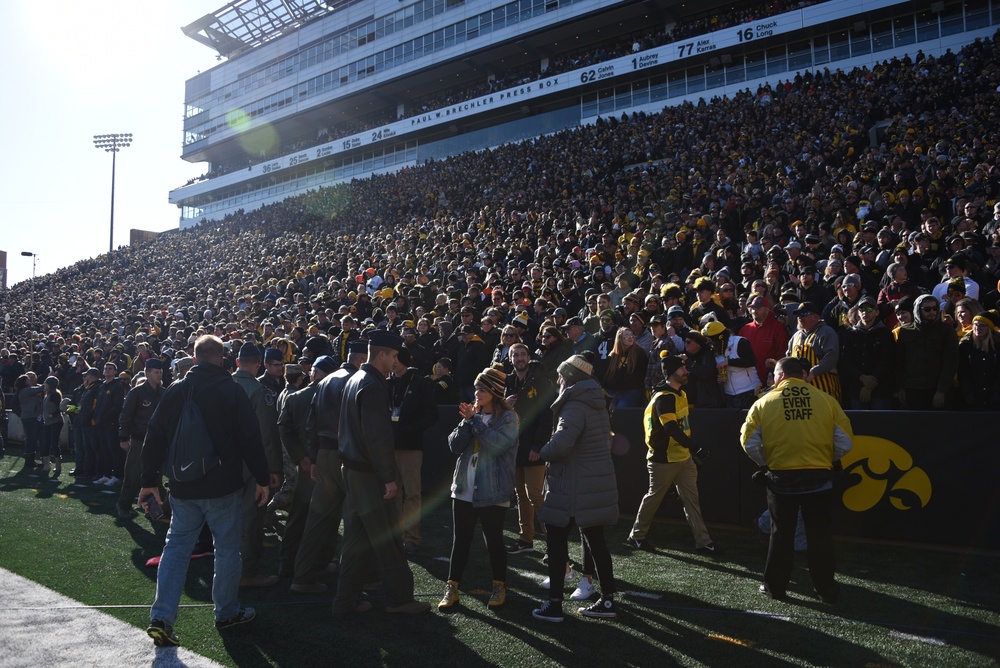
<point x="216" y="496"/>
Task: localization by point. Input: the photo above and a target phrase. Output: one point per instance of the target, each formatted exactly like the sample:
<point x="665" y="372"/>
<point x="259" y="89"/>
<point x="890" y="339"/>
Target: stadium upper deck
<point x="314" y="93"/>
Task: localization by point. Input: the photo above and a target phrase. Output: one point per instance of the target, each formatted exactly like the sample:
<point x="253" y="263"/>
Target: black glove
<point x="700" y="456"/>
<point x="760" y="476"/>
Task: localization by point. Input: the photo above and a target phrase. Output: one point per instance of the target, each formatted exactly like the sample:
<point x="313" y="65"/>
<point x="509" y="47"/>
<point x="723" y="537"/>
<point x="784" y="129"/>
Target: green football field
<point x="899" y="606"/>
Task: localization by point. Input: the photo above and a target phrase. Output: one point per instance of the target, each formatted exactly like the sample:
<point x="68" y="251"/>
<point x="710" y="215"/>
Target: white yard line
<point x="39" y="627"/>
<point x="909" y="636"/>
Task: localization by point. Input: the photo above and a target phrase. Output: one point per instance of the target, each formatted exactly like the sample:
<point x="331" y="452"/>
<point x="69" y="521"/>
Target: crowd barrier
<point x="911" y="477"/>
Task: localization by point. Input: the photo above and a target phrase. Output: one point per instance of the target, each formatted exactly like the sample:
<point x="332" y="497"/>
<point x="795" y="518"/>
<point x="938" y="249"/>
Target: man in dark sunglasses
<point x="926" y="358"/>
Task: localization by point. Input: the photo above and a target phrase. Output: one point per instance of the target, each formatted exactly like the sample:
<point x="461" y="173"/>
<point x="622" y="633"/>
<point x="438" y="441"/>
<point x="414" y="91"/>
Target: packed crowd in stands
<point x="694" y="25"/>
<point x="733" y="231"/>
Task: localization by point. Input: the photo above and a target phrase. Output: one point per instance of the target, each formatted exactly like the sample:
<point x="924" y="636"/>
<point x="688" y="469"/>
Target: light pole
<point x="34" y="260"/>
<point x="112" y="144"/>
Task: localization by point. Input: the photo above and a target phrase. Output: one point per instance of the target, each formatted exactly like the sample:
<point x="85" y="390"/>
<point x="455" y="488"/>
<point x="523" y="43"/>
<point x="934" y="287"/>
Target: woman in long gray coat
<point x="580" y="486"/>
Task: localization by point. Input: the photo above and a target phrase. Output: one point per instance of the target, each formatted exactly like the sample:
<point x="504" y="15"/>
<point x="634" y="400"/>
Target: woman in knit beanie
<point x="581" y="488"/>
<point x="486" y="444"/>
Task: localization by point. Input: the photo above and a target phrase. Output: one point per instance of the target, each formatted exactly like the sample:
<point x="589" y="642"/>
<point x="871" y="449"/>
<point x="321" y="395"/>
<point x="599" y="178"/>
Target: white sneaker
<point x="584" y="590"/>
<point x="111" y="482"/>
<point x="547" y="582"/>
<point x="103" y="480"/>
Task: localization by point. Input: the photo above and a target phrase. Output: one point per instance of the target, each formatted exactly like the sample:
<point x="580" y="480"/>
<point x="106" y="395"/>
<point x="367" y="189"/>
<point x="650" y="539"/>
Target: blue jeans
<point x="627" y="398"/>
<point x="225" y="517"/>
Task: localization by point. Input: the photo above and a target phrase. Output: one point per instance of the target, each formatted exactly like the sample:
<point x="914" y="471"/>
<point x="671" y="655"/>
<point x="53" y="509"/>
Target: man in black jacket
<point x="531" y="393"/>
<point x="110" y="458"/>
<point x="140" y="402"/>
<point x="414" y="411"/>
<point x="370" y="474"/>
<point x="216" y="497"/>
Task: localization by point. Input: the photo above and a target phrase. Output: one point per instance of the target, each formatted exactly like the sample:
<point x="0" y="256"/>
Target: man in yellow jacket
<point x="798" y="432"/>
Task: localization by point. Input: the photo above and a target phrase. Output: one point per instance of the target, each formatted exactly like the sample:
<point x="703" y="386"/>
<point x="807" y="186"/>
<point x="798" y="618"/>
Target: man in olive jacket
<point x="263" y="402"/>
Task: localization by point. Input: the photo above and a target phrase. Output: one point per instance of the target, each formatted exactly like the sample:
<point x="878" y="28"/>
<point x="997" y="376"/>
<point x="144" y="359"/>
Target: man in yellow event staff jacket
<point x="798" y="432"/>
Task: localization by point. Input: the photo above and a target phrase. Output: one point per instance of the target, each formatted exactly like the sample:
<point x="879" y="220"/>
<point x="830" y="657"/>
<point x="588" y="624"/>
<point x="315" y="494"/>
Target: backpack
<point x="192" y="453"/>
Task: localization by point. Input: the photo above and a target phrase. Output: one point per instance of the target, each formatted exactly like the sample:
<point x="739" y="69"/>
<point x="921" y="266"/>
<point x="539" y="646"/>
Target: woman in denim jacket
<point x="486" y="443"/>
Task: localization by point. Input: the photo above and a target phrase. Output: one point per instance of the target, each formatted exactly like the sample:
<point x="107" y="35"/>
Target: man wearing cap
<point x="576" y="334"/>
<point x="263" y="402"/>
<point x="767" y="336"/>
<point x="866" y="359"/>
<point x="293" y="379"/>
<point x="871" y="273"/>
<point x="663" y="342"/>
<point x="957" y="267"/>
<point x="530" y="392"/>
<point x="293" y="418"/>
<point x="817" y="342"/>
<point x="367" y="454"/>
<point x="809" y="290"/>
<point x="137" y="409"/>
<point x="86" y="458"/>
<point x="413" y="412"/>
<point x="273" y="376"/>
<point x="669" y="460"/>
<point x="320" y="533"/>
<point x="677" y="318"/>
<point x="110" y="457"/>
<point x="473" y="357"/>
<point x="798" y="433"/>
<point x="835" y="313"/>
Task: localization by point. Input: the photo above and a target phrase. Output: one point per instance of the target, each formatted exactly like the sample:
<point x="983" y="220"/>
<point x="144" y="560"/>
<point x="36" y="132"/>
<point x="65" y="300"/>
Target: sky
<point x="73" y="70"/>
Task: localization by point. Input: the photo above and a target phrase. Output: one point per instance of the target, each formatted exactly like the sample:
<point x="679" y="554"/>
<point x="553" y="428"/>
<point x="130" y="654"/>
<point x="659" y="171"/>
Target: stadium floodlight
<point x="34" y="260"/>
<point x="112" y="144"/>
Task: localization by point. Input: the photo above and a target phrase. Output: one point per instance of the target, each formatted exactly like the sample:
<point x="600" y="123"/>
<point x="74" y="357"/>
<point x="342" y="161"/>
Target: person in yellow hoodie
<point x="798" y="432"/>
<point x="669" y="460"/>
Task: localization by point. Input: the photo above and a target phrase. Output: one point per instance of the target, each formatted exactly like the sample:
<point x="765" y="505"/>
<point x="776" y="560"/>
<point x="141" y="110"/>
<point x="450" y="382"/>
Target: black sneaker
<point x="777" y="596"/>
<point x="550" y="611"/>
<point x="162" y="634"/>
<point x="519" y="547"/>
<point x="830" y="595"/>
<point x="242" y="617"/>
<point x="604" y="608"/>
<point x="711" y="549"/>
<point x="639" y="543"/>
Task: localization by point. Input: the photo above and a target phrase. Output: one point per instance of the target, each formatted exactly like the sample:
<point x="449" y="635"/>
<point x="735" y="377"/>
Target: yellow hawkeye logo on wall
<point x="879" y="467"/>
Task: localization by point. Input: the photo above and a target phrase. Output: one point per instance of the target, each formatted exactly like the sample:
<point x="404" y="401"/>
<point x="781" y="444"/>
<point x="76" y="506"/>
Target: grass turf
<point x="899" y="606"/>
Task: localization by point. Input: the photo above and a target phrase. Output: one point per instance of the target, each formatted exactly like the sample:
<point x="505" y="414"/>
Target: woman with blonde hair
<point x="979" y="364"/>
<point x="625" y="375"/>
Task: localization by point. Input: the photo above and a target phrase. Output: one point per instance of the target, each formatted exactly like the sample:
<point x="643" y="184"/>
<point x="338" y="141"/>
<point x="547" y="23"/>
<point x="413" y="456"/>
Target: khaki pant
<point x="408" y="499"/>
<point x="661" y="476"/>
<point x="528" y="483"/>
